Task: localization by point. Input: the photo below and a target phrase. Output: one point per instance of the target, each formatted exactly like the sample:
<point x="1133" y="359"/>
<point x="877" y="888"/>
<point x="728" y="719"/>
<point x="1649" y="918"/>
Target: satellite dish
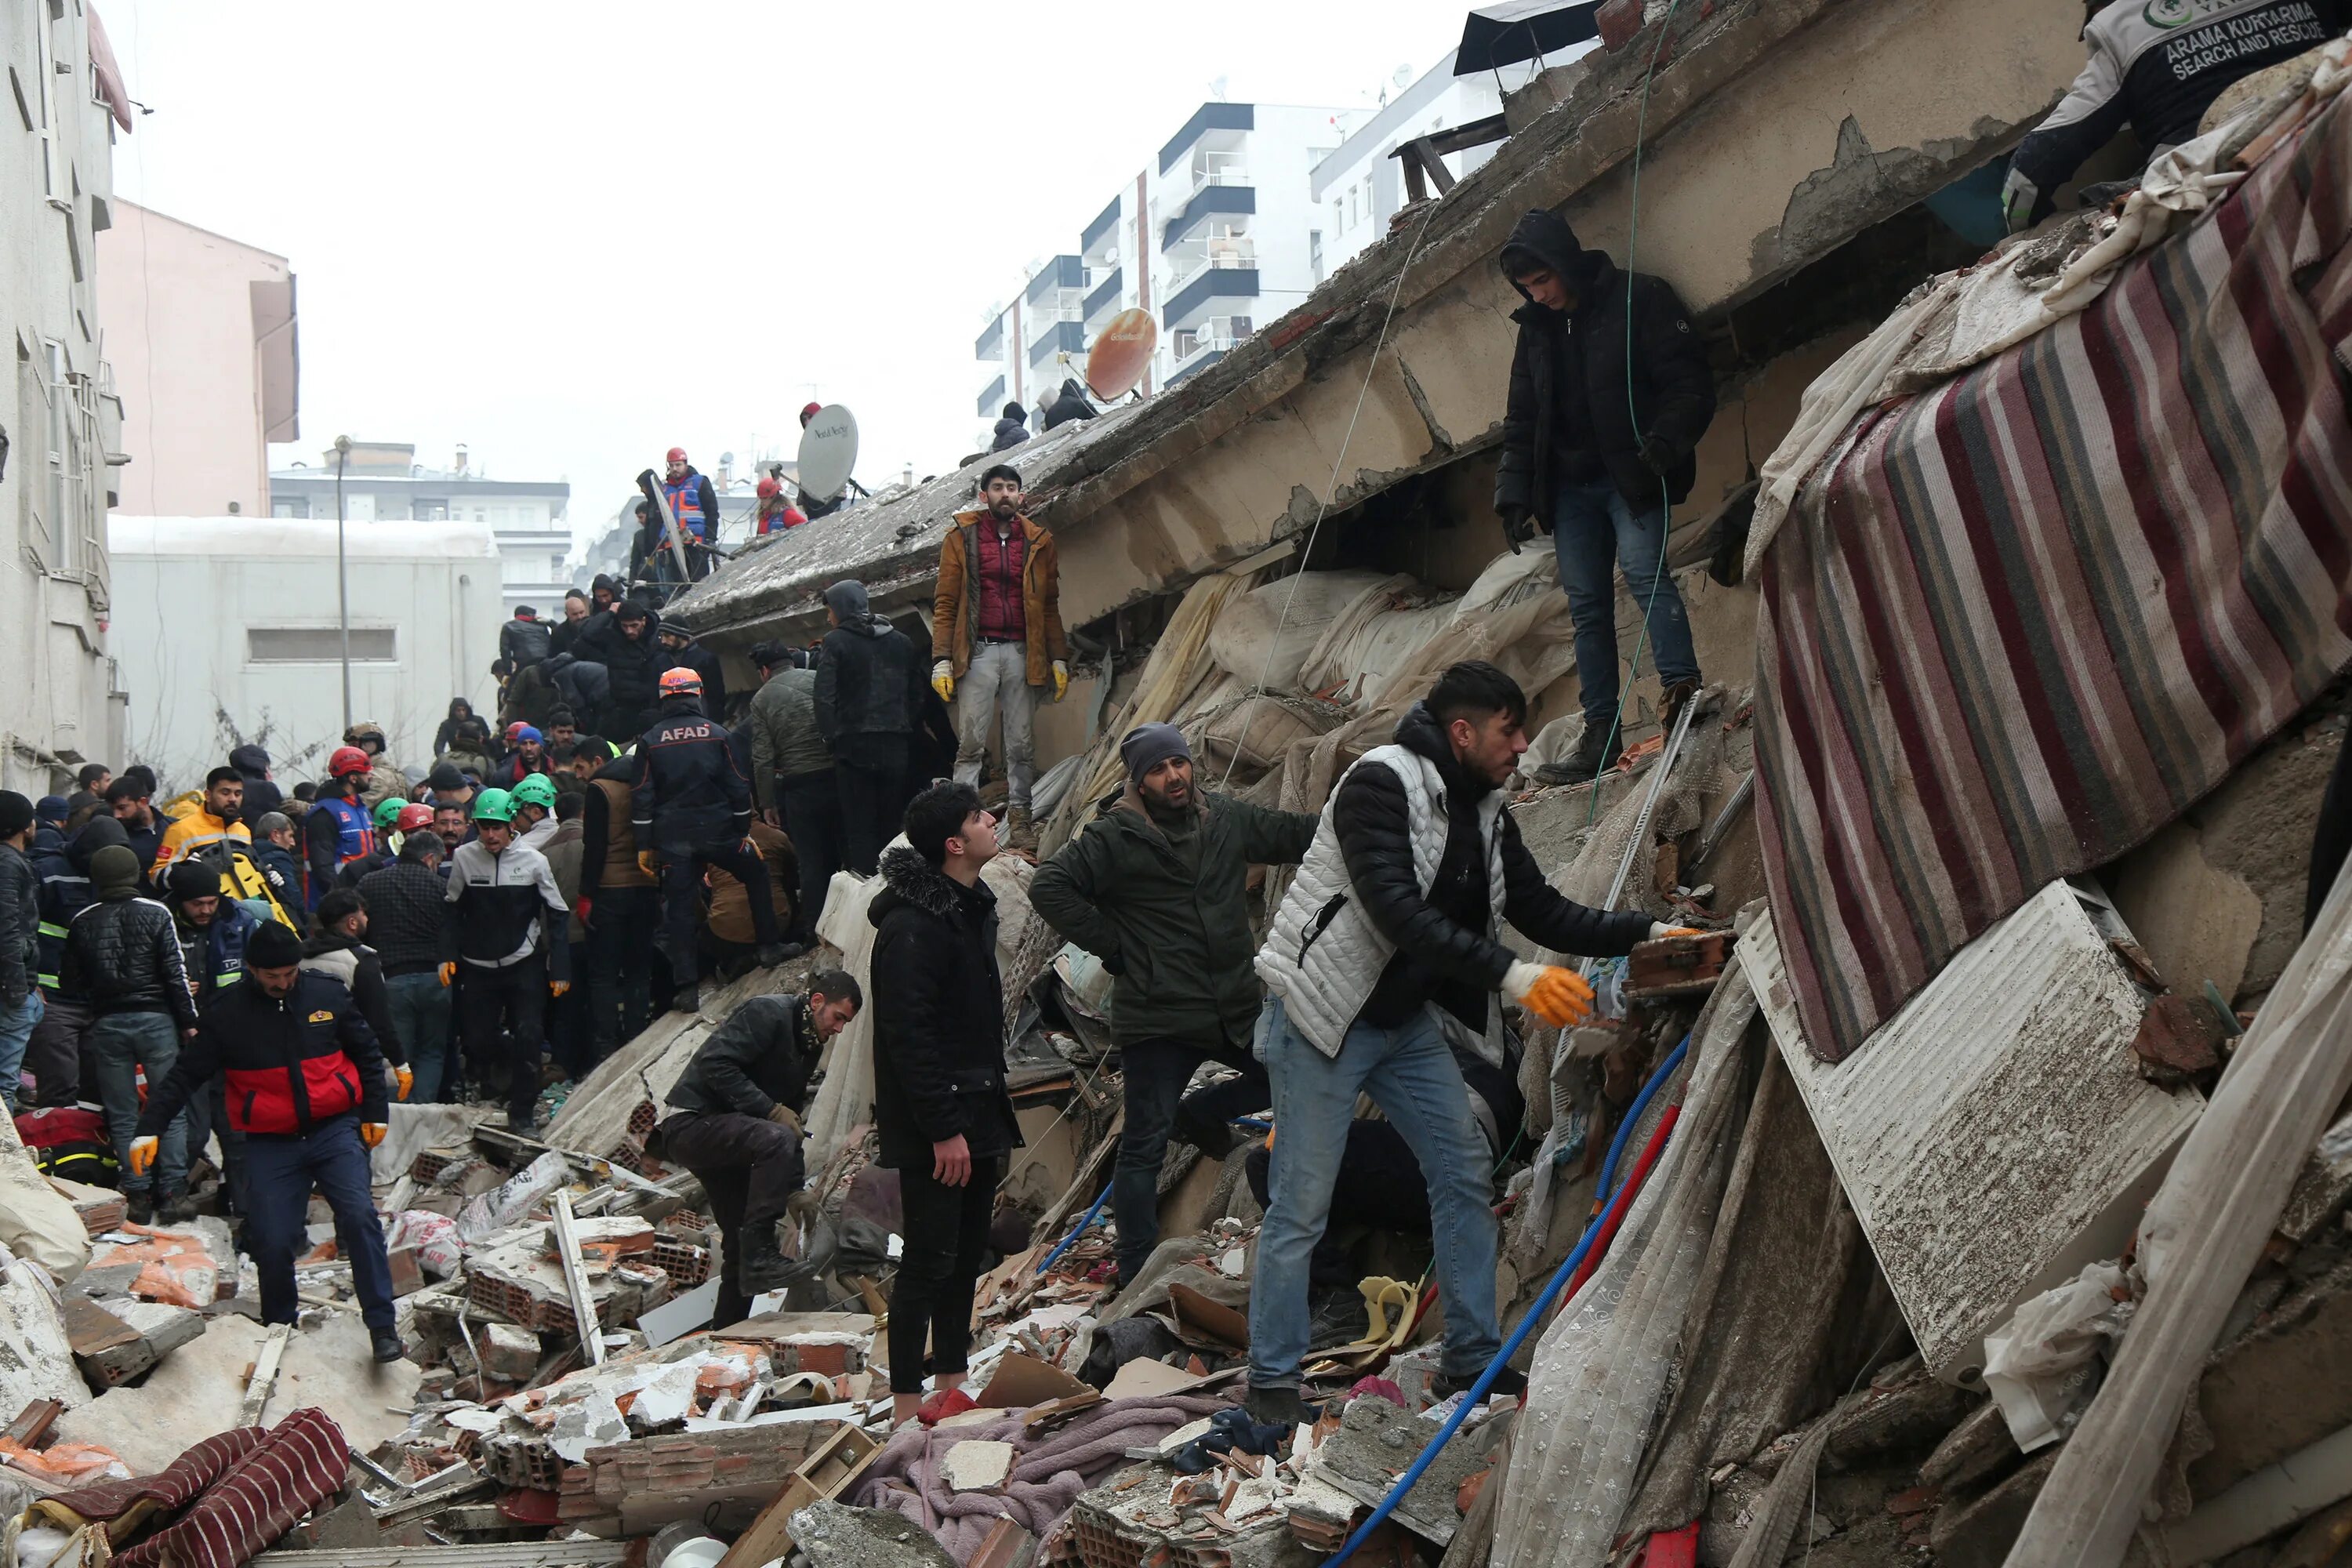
<point x="1117" y="361"/>
<point x="828" y="452"/>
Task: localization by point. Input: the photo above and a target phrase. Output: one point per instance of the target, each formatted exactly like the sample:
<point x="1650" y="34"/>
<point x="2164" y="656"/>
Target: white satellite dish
<point x="828" y="452"/>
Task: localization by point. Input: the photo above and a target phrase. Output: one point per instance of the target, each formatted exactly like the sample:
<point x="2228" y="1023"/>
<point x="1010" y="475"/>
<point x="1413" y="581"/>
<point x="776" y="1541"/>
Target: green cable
<point x="1633" y="416"/>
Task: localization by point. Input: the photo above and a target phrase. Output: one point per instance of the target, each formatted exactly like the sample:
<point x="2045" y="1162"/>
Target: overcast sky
<point x="570" y="236"/>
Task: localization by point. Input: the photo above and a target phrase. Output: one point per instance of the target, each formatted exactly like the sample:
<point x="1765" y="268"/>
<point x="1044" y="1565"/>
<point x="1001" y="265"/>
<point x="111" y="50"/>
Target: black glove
<point x="1655" y="455"/>
<point x="1518" y="525"/>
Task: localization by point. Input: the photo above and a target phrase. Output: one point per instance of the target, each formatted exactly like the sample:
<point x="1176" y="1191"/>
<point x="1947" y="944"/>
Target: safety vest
<point x="354" y="829"/>
<point x="685" y="505"/>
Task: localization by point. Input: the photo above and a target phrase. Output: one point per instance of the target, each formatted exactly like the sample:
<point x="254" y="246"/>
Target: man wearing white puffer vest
<point x="1381" y="959"/>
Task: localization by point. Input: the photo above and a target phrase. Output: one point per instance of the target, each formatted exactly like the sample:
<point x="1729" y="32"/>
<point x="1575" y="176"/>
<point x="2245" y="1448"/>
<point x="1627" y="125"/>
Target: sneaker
<point x="1023" y="830"/>
<point x="772" y="954"/>
<point x="1594" y="754"/>
<point x="1509" y="1383"/>
<point x="1676" y="697"/>
<point x="139" y="1208"/>
<point x="684" y="1000"/>
<point x="1276" y="1407"/>
<point x="387" y="1345"/>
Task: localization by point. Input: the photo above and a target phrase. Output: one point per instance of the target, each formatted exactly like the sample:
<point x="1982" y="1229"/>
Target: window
<point x="319" y="645"/>
<point x="1314" y="253"/>
<point x="555" y="568"/>
<point x="53" y="183"/>
<point x="421" y="509"/>
<point x="481" y="515"/>
<point x="288" y="506"/>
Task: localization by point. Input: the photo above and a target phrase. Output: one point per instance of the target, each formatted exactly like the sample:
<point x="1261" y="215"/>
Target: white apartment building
<point x="1218" y="235"/>
<point x="1360" y="186"/>
<point x="383" y="482"/>
<point x="60" y="422"/>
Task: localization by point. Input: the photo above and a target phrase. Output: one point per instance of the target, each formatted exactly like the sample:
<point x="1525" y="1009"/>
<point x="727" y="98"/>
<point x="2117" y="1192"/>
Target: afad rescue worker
<point x="338" y="830"/>
<point x="2156" y="65"/>
<point x="735" y="1122"/>
<point x="690" y="806"/>
<point x="1385" y="948"/>
<point x="1157" y="886"/>
<point x="1593" y="472"/>
<point x="304" y="1083"/>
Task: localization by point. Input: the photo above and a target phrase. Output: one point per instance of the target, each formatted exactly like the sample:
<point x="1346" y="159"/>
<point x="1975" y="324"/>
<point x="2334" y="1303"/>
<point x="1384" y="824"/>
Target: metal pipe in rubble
<point x="1076" y="1231"/>
<point x="1534" y="1314"/>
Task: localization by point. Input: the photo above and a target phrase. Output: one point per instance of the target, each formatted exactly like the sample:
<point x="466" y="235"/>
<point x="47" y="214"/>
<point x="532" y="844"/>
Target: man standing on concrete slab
<point x="996" y="631"/>
<point x="1610" y="393"/>
<point x="1385" y="948"/>
<point x="941" y="1107"/>
<point x="792" y="779"/>
<point x="306" y="1086"/>
<point x="1157" y="886"/>
<point x="735" y="1122"/>
<point x="868" y="699"/>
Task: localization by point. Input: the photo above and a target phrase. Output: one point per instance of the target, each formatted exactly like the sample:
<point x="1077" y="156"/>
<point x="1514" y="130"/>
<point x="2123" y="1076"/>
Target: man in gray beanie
<point x="1157" y="886"/>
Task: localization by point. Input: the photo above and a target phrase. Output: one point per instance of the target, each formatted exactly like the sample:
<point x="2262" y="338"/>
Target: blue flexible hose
<point x="1534" y="1314"/>
<point x="1064" y="1246"/>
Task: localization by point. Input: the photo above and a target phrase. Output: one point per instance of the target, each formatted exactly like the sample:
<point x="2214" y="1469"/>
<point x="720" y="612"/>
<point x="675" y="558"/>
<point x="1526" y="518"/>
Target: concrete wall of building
<point x="178" y="319"/>
<point x="195" y="588"/>
<point x="57" y="702"/>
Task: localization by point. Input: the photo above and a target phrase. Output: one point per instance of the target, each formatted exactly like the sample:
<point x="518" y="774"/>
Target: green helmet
<point x="536" y="789"/>
<point x="387" y="812"/>
<point x="494" y="806"/>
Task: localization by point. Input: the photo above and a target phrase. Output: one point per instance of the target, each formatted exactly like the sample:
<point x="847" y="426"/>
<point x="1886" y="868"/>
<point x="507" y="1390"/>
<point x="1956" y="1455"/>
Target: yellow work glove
<point x="647" y="864"/>
<point x="943" y="680"/>
<point x="1559" y="996"/>
<point x="558" y="987"/>
<point x="1061" y="679"/>
<point x="405" y="1078"/>
<point x="371" y="1132"/>
<point x="784" y="1116"/>
<point x="142" y="1155"/>
<point x="448" y="973"/>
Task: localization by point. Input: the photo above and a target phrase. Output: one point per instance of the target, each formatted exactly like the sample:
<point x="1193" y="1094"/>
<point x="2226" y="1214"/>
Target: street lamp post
<point x="342" y="577"/>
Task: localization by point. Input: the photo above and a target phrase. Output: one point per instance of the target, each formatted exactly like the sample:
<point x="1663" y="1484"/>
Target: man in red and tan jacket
<point x="996" y="631"/>
<point x="304" y="1082"/>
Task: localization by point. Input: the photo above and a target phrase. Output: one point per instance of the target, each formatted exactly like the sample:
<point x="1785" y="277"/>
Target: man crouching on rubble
<point x="1383" y="949"/>
<point x="305" y="1084"/>
<point x="735" y="1122"/>
<point x="939" y="1101"/>
<point x="1158" y="887"/>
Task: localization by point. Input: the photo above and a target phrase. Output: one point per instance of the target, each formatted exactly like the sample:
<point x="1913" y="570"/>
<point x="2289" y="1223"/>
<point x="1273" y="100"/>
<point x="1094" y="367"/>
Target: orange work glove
<point x="558" y="987"/>
<point x="1559" y="996"/>
<point x="448" y="973"/>
<point x="142" y="1155"/>
<point x="407" y="1079"/>
<point x="372" y="1133"/>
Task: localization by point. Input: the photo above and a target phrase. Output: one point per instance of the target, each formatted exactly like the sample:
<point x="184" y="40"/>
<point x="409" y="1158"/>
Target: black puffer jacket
<point x="871" y="678"/>
<point x="1567" y="417"/>
<point x="633" y="669"/>
<point x="760" y="1058"/>
<point x="1010" y="433"/>
<point x="20" y="921"/>
<point x="408" y="918"/>
<point x="1071" y="404"/>
<point x="124" y="956"/>
<point x="1444" y="953"/>
<point x="525" y="642"/>
<point x="690" y="790"/>
<point x="939" y="1017"/>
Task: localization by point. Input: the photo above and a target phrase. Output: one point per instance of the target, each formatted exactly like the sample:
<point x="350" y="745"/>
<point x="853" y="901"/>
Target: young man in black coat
<point x="735" y="1122"/>
<point x="940" y="1102"/>
<point x="869" y="701"/>
<point x="1598" y="437"/>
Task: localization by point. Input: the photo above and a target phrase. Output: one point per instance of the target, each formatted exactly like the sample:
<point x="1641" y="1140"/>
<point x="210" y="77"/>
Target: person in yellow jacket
<point x="209" y="821"/>
<point x="996" y="627"/>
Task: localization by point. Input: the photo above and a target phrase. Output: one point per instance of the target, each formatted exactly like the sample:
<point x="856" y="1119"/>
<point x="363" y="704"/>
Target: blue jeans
<point x="281" y="1173"/>
<point x="1410" y="1072"/>
<point x="16" y="1031"/>
<point x="1593" y="531"/>
<point x="121" y="1043"/>
<point x="420" y="1011"/>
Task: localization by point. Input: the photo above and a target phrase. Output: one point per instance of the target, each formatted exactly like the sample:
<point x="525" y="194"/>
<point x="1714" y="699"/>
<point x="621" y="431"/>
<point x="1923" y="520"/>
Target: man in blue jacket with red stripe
<point x="339" y="831"/>
<point x="304" y="1082"/>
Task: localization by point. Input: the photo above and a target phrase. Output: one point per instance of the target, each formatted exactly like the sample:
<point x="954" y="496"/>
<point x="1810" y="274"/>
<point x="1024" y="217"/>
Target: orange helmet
<point x="770" y="488"/>
<point x="680" y="682"/>
<point x="412" y="816"/>
<point x="347" y="760"/>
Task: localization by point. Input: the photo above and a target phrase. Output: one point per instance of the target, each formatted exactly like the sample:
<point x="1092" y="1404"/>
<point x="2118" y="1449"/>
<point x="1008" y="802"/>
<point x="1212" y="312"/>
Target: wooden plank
<point x="575" y="1280"/>
<point x="33" y="1422"/>
<point x="486" y="1554"/>
<point x="264" y="1376"/>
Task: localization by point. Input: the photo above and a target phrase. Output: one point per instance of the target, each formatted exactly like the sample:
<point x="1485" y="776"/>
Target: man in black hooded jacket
<point x="1609" y="395"/>
<point x="870" y="686"/>
<point x="1070" y="404"/>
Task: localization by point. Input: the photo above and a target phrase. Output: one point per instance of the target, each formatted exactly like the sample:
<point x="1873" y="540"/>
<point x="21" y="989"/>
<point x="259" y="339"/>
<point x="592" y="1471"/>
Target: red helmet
<point x="678" y="454"/>
<point x="347" y="760"/>
<point x="811" y="412"/>
<point x="680" y="681"/>
<point x="412" y="816"/>
<point x="770" y="488"/>
<point x="515" y="729"/>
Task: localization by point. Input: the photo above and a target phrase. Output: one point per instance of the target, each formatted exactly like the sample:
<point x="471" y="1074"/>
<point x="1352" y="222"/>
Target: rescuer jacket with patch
<point x="287" y="1063"/>
<point x="690" y="792"/>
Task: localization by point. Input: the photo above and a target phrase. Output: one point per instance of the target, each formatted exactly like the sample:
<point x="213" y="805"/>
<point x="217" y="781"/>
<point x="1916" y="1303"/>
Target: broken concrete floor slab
<point x="196" y="1392"/>
<point x="835" y="1535"/>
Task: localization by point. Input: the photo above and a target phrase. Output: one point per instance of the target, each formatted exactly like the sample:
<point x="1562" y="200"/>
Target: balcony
<point x="1213" y="200"/>
<point x="1199" y="360"/>
<point x="1101" y="233"/>
<point x="992" y="399"/>
<point x="1226" y="121"/>
<point x="991" y="344"/>
<point x="1105" y="298"/>
<point x="1061" y="272"/>
<point x="1210" y="284"/>
<point x="1062" y="337"/>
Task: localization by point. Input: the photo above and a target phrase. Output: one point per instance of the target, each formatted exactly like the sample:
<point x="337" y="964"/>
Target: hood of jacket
<point x="250" y="760"/>
<point x="847" y="600"/>
<point x="620" y="771"/>
<point x="908" y="879"/>
<point x="1420" y="732"/>
<point x="95" y="835"/>
<point x="1545" y="236"/>
<point x="322" y="942"/>
<point x="679" y="707"/>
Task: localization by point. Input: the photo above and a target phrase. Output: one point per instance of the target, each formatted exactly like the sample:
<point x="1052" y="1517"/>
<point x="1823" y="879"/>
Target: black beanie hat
<point x="15" y="813"/>
<point x="272" y="946"/>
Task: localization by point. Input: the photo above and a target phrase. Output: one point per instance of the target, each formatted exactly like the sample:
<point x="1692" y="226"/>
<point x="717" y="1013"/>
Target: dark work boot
<point x="387" y="1345"/>
<point x="765" y="1267"/>
<point x="684" y="1000"/>
<point x="1680" y="693"/>
<point x="772" y="954"/>
<point x="1276" y="1407"/>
